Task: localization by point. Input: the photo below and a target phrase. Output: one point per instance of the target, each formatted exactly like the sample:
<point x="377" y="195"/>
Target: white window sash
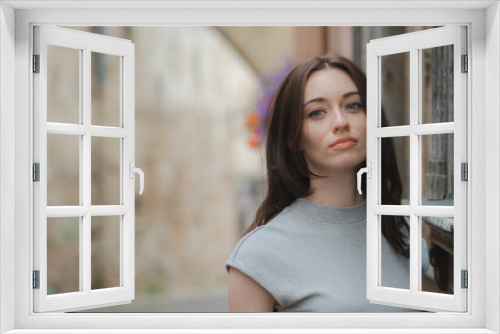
<point x="86" y="43"/>
<point x="414" y="297"/>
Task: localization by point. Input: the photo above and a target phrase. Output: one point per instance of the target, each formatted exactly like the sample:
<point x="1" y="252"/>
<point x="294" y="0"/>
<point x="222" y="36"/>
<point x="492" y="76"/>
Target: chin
<point x="331" y="166"/>
<point x="354" y="163"/>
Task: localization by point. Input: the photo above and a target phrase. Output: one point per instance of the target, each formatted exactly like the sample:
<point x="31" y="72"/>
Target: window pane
<point x="437" y="169"/>
<point x="437" y="84"/>
<point x="63" y="170"/>
<point x="395" y="149"/>
<point x="105" y="89"/>
<point x="395" y="71"/>
<point x="395" y="267"/>
<point x="105" y="252"/>
<point x="438" y="231"/>
<point x="63" y="85"/>
<point x="105" y="171"/>
<point x="63" y="255"/>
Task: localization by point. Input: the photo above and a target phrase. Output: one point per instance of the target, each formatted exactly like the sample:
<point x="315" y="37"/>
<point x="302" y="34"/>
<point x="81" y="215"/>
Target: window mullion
<point x="127" y="192"/>
<point x="372" y="155"/>
<point x="109" y="210"/>
<point x="377" y="174"/>
<point x="414" y="171"/>
<point x="86" y="166"/>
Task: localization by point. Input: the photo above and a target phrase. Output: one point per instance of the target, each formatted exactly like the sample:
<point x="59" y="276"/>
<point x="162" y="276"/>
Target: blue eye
<point x="353" y="106"/>
<point x="316" y="113"/>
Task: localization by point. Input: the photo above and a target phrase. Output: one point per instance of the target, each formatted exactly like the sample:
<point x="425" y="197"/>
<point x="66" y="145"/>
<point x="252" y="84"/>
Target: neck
<point x="339" y="189"/>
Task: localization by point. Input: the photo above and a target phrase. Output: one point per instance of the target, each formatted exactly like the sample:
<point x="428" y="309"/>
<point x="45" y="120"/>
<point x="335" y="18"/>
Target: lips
<point x="344" y="142"/>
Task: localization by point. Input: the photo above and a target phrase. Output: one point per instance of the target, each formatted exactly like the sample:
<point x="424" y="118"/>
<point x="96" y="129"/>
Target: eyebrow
<point x="321" y="99"/>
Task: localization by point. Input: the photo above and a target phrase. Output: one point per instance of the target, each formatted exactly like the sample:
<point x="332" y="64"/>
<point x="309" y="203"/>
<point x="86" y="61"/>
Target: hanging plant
<point x="255" y="122"/>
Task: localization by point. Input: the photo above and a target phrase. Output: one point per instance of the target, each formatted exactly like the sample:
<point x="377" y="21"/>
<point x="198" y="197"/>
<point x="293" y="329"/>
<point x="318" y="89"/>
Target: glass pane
<point x="395" y="72"/>
<point x="437" y="169"/>
<point x="395" y="149"/>
<point x="394" y="265"/>
<point x="63" y="85"/>
<point x="105" y="171"/>
<point x="105" y="89"/>
<point x="437" y="84"/>
<point x="438" y="232"/>
<point x="105" y="252"/>
<point x="63" y="170"/>
<point x="63" y="255"/>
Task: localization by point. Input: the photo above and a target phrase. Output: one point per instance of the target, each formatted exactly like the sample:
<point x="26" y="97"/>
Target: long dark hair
<point x="287" y="170"/>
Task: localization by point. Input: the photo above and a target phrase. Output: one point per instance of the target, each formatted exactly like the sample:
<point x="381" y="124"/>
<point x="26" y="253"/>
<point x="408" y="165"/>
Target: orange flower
<point x="254" y="141"/>
<point x="252" y="120"/>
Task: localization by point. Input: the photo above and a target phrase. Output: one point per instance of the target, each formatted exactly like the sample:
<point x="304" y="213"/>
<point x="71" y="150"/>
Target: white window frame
<point x="16" y="214"/>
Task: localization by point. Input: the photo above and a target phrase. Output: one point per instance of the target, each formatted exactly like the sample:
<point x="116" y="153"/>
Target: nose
<point x="340" y="123"/>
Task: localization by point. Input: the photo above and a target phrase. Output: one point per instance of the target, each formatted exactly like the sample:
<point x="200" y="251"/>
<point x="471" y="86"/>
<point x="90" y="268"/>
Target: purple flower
<point x="268" y="86"/>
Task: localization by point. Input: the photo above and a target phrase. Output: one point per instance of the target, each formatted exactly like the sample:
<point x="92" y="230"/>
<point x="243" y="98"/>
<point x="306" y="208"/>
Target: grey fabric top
<point x="312" y="258"/>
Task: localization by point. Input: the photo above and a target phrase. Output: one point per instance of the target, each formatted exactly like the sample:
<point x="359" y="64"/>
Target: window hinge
<point x="465" y="63"/>
<point x="465" y="279"/>
<point x="36" y="279"/>
<point x="36" y="63"/>
<point x="465" y="171"/>
<point x="36" y="172"/>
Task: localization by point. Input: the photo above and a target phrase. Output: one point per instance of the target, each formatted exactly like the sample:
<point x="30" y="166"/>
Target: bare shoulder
<point x="246" y="295"/>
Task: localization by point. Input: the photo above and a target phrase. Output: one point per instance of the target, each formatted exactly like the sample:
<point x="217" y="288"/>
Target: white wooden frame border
<point x="7" y="167"/>
<point x="485" y="36"/>
<point x="304" y="318"/>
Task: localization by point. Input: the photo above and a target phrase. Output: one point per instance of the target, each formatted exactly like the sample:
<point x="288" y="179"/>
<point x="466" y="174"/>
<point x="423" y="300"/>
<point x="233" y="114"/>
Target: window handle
<point x="368" y="171"/>
<point x="139" y="171"/>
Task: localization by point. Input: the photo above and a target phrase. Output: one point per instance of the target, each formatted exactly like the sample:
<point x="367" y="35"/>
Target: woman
<point x="306" y="249"/>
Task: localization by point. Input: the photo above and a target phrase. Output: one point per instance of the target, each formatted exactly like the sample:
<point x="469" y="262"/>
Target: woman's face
<point x="332" y="112"/>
